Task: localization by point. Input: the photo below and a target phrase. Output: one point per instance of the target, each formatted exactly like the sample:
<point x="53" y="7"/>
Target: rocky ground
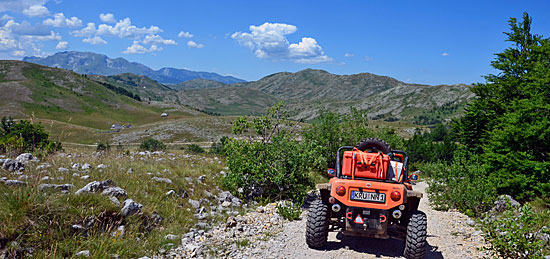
<point x="264" y="234"/>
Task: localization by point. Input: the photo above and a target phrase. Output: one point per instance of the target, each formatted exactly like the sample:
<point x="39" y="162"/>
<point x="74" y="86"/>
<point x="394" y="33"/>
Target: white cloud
<point x="184" y="34"/>
<point x="94" y="40"/>
<point x="137" y="48"/>
<point x="125" y="29"/>
<point x="87" y="31"/>
<point x="62" y="45"/>
<point x="6" y="17"/>
<point x="107" y="17"/>
<point x="36" y="10"/>
<point x="19" y="39"/>
<point x="269" y="41"/>
<point x="348" y="55"/>
<point x="61" y="21"/>
<point x="193" y="44"/>
<point x="444" y="54"/>
<point x="156" y="39"/>
<point x="18" y="6"/>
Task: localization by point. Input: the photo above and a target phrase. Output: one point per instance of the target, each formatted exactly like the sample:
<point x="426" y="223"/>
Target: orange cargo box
<point x="365" y="165"/>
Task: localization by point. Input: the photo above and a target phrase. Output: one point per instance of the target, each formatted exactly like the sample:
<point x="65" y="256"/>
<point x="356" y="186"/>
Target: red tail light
<point x="395" y="195"/>
<point x="341" y="190"/>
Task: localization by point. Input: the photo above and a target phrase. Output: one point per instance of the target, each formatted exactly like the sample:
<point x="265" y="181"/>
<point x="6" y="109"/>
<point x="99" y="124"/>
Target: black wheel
<point x="374" y="143"/>
<point x="317" y="224"/>
<point x="415" y="243"/>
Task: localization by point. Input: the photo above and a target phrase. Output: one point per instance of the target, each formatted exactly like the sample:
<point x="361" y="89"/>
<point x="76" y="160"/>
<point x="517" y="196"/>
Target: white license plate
<point x="368" y="196"/>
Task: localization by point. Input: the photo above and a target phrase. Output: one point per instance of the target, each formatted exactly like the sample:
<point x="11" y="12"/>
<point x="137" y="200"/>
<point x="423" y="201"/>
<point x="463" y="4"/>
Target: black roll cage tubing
<point x="391" y="154"/>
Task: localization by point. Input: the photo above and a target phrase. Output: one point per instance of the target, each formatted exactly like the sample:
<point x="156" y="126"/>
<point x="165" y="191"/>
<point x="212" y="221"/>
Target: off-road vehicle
<point x="370" y="195"/>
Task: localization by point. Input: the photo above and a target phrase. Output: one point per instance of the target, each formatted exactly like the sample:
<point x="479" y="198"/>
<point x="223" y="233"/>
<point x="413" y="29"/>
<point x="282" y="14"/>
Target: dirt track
<point x="448" y="237"/>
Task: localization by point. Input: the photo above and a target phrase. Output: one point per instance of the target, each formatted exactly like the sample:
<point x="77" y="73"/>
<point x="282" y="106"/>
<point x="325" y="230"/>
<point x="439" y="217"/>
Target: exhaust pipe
<point x="396" y="214"/>
<point x="336" y="207"/>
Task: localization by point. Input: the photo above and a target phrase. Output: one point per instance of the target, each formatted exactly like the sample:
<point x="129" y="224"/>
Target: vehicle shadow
<point x="376" y="247"/>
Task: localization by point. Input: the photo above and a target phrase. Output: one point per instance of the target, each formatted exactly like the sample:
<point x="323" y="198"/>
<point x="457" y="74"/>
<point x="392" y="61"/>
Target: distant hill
<point x="30" y="90"/>
<point x="99" y="64"/>
<point x="146" y="87"/>
<point x="307" y="92"/>
<point x="198" y="83"/>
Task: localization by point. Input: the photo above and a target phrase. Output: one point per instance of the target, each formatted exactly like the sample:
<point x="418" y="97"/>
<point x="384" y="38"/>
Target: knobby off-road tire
<point x="317" y="225"/>
<point x="415" y="243"/>
<point x="377" y="143"/>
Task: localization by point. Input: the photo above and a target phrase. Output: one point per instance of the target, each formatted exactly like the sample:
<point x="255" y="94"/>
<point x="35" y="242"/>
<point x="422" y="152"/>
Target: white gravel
<point x="449" y="236"/>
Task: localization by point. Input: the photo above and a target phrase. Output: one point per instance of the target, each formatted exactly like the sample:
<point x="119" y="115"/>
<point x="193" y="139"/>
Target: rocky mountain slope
<point x="93" y="63"/>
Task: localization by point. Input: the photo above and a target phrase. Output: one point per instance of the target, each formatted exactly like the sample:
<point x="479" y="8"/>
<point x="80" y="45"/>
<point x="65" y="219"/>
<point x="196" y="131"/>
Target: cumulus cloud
<point x="192" y="44"/>
<point x="156" y="39"/>
<point x="269" y="41"/>
<point x="5" y="17"/>
<point x="137" y="48"/>
<point x="184" y="34"/>
<point x="348" y="55"/>
<point x="18" y="39"/>
<point x="36" y="10"/>
<point x="87" y="31"/>
<point x="61" y="21"/>
<point x="62" y="45"/>
<point x="125" y="29"/>
<point x="18" y="6"/>
<point x="445" y="54"/>
<point x="107" y="17"/>
<point x="96" y="40"/>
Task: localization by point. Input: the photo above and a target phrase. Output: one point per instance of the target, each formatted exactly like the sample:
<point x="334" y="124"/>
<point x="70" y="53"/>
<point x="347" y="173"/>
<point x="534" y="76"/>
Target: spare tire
<point x="374" y="143"/>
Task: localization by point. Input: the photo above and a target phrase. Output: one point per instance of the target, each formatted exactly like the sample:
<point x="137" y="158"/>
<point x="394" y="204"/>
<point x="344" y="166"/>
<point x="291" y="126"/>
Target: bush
<point x="290" y="210"/>
<point x="516" y="234"/>
<point x="269" y="163"/>
<point x="194" y="148"/>
<point x="103" y="147"/>
<point x="24" y="136"/>
<point x="152" y="145"/>
<point x="218" y="147"/>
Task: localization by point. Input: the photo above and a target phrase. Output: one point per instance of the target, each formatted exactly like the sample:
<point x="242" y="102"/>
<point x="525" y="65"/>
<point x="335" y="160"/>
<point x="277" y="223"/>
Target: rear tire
<point x="317" y="225"/>
<point x="415" y="243"/>
<point x="377" y="143"/>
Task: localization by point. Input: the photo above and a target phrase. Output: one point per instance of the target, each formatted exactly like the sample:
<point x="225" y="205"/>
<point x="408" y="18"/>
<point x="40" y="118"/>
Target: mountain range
<point x="99" y="64"/>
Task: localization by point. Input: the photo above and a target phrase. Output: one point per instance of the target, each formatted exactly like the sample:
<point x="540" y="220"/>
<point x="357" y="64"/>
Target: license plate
<point x="368" y="196"/>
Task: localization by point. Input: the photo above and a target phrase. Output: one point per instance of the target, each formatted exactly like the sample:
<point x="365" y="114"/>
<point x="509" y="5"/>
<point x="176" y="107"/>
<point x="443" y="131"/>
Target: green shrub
<point x="218" y="147"/>
<point x="194" y="148"/>
<point x="290" y="210"/>
<point x="152" y="145"/>
<point x="516" y="234"/>
<point x="103" y="147"/>
<point x="25" y="136"/>
<point x="270" y="163"/>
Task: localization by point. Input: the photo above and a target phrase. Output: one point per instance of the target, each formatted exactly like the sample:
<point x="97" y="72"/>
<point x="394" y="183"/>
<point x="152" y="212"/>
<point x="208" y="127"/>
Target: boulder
<point x="12" y="165"/>
<point x="501" y="204"/>
<point x="115" y="192"/>
<point x="26" y="157"/>
<point x="130" y="207"/>
<point x="94" y="186"/>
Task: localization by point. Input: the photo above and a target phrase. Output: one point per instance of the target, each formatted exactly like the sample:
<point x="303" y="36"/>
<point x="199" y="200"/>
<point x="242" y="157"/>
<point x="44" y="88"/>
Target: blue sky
<point x="430" y="42"/>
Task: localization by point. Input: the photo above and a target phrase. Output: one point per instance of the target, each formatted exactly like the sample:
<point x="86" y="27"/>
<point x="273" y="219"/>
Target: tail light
<point x="341" y="190"/>
<point x="395" y="196"/>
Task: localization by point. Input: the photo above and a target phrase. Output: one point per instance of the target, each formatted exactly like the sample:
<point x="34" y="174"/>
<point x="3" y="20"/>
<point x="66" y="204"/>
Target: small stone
<point x="62" y="170"/>
<point x="118" y="233"/>
<point x="130" y="207"/>
<point x="114" y="201"/>
<point x="85" y="177"/>
<point x="191" y="247"/>
<point x="77" y="227"/>
<point x="61" y="187"/>
<point x="130" y="171"/>
<point x="12" y="165"/>
<point x="76" y="166"/>
<point x="196" y="204"/>
<point x="45" y="178"/>
<point x="14" y="183"/>
<point x="226" y="204"/>
<point x="260" y="209"/>
<point x="170" y="193"/>
<point x="470" y="222"/>
<point x="170" y="237"/>
<point x="161" y="180"/>
<point x="85" y="253"/>
<point x="115" y="191"/>
<point x="76" y="175"/>
<point x="86" y="166"/>
<point x="26" y="157"/>
<point x="201" y="178"/>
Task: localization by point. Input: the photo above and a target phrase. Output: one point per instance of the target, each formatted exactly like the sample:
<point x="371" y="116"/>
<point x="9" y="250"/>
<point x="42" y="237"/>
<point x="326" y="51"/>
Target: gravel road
<point x="449" y="236"/>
